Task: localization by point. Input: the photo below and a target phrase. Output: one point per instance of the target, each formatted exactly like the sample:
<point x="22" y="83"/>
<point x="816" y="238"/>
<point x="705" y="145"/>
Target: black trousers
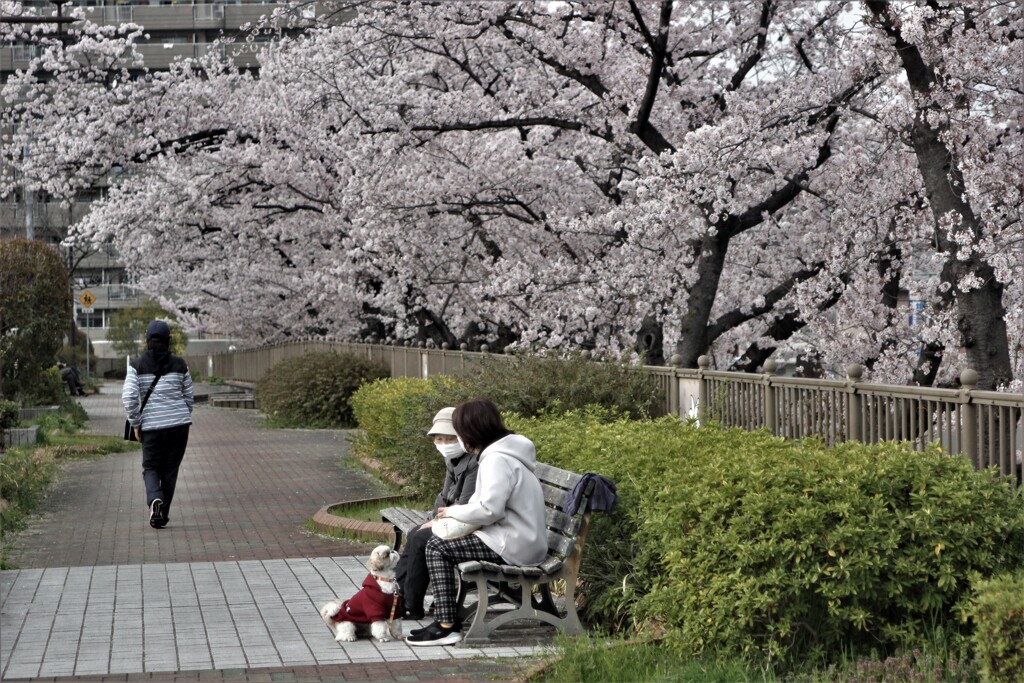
<point x="162" y="453"/>
<point x="411" y="572"/>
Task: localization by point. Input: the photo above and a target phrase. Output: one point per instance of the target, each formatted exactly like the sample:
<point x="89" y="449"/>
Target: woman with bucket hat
<point x="459" y="484"/>
<point x="157" y="397"/>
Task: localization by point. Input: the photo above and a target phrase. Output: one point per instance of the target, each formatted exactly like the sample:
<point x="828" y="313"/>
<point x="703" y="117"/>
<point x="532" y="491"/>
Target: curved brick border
<point x="325" y="521"/>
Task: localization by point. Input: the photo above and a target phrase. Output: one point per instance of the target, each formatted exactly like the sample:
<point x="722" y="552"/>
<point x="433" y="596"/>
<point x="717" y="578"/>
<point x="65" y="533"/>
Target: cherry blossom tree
<point x="674" y="178"/>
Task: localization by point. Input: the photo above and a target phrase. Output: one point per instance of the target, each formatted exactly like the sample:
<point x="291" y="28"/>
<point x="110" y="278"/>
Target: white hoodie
<point x="508" y="503"/>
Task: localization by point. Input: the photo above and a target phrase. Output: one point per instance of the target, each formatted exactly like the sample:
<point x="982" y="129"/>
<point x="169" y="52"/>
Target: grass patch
<point x="369" y="511"/>
<point x="593" y="658"/>
<point x="341" y="535"/>
<point x="27" y="473"/>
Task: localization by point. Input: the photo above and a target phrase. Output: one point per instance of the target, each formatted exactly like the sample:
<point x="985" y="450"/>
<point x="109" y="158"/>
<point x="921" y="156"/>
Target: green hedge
<point x="529" y="385"/>
<point x="780" y="551"/>
<point x="394" y="416"/>
<point x="314" y="390"/>
<point x="999" y="632"/>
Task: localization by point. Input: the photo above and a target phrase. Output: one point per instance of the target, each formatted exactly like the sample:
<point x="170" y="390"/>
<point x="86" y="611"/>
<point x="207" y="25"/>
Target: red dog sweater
<point x="370" y="604"/>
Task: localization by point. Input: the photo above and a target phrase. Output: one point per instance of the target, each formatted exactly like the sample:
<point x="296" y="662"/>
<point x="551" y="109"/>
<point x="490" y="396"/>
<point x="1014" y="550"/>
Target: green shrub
<point x="25" y="474"/>
<point x="791" y="550"/>
<point x="998" y="613"/>
<point x="46" y="389"/>
<point x="529" y="385"/>
<point x="747" y="544"/>
<point x="314" y="390"/>
<point x="8" y="414"/>
<point x="394" y="416"/>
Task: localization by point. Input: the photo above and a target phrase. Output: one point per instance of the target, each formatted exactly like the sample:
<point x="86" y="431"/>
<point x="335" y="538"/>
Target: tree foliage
<point x="127" y="331"/>
<point x="701" y="177"/>
<point x="35" y="311"/>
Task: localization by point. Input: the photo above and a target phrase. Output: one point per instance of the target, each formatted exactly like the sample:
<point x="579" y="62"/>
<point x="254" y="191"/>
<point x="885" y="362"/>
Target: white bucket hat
<point x="443" y="423"/>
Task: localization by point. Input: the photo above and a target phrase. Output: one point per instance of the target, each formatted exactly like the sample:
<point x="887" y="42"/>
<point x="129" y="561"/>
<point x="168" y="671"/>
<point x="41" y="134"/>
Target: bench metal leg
<point x="537" y="609"/>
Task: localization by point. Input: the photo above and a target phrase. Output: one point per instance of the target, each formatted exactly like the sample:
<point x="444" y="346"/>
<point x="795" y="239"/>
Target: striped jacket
<point x="170" y="404"/>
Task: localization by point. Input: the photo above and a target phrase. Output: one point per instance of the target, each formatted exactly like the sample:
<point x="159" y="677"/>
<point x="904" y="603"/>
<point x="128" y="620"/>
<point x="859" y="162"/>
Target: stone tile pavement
<point x="229" y="591"/>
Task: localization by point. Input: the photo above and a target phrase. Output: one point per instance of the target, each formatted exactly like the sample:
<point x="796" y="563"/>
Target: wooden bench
<point x="532" y="599"/>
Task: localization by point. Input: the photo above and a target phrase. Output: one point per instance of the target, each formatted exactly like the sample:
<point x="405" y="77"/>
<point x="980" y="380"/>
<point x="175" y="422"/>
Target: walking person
<point x="459" y="485"/>
<point x="508" y="507"/>
<point x="162" y="424"/>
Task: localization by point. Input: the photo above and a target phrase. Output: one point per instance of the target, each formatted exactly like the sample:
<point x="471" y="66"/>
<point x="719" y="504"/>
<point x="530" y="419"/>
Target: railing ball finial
<point x="430" y="343"/>
<point x="484" y="348"/>
<point x="968" y="378"/>
<point x="408" y="343"/>
<point x="704" y="362"/>
<point x="770" y="367"/>
<point x="422" y="344"/>
<point x="445" y="346"/>
<point x="509" y="350"/>
<point x="854" y="372"/>
<point x="464" y="346"/>
<point x="676" y="360"/>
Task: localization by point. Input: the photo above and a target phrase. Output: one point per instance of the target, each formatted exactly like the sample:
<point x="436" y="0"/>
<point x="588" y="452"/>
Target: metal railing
<point x="984" y="426"/>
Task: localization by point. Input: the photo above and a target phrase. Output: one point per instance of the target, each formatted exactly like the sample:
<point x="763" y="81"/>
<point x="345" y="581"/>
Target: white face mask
<point x="450" y="450"/>
<point x="462" y="445"/>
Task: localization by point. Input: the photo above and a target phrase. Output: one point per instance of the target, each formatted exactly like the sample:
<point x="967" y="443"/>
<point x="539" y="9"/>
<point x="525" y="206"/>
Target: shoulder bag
<point x="129" y="431"/>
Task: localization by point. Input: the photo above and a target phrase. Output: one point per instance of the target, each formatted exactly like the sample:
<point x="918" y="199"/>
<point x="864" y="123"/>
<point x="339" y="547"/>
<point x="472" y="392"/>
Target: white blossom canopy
<point x="730" y="178"/>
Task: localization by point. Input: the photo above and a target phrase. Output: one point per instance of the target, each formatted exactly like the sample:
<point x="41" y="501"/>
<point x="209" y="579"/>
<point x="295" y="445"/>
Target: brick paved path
<point x="228" y="591"/>
<point x="244" y="492"/>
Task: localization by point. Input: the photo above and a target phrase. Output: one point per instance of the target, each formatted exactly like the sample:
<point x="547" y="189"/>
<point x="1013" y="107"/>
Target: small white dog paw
<point x="346" y="632"/>
<point x="379" y="630"/>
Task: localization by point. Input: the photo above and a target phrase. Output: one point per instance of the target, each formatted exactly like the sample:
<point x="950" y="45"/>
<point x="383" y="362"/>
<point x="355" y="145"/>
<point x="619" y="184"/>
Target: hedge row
<point x="748" y="543"/>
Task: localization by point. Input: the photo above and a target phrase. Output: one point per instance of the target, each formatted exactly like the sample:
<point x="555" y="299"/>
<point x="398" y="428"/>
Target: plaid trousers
<point x="443" y="558"/>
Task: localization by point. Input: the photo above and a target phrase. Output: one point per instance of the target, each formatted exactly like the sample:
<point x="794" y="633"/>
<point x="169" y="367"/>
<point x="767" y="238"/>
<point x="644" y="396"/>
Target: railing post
<point x="854" y="410"/>
<point x="771" y="407"/>
<point x="969" y="416"/>
<point x="673" y="385"/>
<point x="703" y="390"/>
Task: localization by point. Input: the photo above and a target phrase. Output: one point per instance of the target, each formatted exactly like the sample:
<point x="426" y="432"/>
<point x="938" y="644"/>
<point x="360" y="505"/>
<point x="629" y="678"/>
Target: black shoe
<point x="435" y="635"/>
<point x="156" y="514"/>
<point x="415" y="631"/>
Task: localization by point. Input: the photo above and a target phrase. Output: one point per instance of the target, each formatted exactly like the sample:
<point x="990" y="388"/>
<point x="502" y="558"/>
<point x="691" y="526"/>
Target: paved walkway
<point x="228" y="591"/>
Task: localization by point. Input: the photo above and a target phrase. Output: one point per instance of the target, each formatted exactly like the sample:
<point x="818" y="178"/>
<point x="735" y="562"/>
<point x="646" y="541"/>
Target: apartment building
<point x="175" y="30"/>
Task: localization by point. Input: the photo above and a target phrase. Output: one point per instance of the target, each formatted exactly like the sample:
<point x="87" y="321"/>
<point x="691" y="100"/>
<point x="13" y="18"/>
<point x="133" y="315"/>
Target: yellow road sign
<point x="87" y="299"/>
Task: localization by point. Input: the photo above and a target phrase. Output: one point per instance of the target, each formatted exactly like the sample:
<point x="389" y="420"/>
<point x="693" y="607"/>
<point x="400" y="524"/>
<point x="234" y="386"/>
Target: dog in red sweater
<point x="377" y="603"/>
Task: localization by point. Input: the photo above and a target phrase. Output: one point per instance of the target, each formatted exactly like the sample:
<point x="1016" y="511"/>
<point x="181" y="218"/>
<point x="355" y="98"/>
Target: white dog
<point x="377" y="603"/>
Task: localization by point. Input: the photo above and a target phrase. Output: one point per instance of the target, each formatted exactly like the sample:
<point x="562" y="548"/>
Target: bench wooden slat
<point x="556" y="477"/>
<point x="404" y="520"/>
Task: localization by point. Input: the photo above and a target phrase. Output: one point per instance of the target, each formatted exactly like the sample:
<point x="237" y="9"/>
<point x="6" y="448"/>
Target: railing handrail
<point x="984" y="426"/>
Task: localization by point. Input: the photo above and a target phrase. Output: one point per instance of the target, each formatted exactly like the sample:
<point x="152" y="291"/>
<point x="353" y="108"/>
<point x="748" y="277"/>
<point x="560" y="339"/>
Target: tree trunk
<point x="980" y="312"/>
<point x="650" y="341"/>
<point x="693" y="337"/>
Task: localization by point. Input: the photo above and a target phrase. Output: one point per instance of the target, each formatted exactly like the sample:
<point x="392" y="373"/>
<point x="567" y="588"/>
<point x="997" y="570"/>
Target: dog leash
<point x="394" y="607"/>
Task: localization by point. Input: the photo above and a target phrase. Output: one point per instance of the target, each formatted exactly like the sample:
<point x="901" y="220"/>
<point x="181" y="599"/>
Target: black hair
<point x="478" y="423"/>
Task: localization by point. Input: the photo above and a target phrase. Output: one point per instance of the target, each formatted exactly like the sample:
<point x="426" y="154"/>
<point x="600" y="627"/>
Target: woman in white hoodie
<point x="507" y="505"/>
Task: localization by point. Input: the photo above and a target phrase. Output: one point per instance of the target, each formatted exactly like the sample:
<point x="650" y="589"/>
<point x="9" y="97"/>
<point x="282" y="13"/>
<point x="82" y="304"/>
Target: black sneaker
<point x="156" y="514"/>
<point x="415" y="631"/>
<point x="435" y="635"/>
